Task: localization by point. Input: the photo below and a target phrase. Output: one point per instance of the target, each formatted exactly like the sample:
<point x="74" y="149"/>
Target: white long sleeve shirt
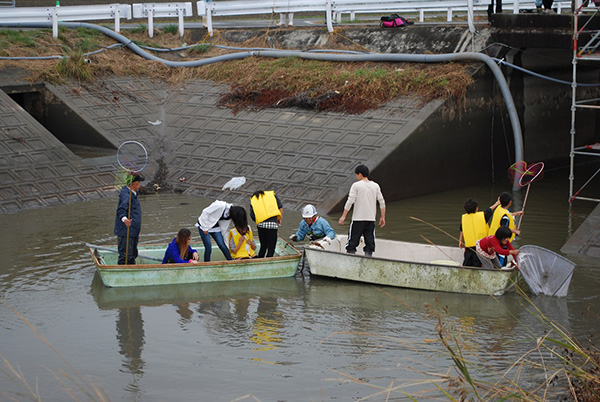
<point x="364" y="195"/>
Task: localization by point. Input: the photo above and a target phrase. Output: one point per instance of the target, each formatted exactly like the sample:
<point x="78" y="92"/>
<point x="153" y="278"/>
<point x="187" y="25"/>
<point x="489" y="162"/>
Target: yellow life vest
<point x="497" y="218"/>
<point x="245" y="251"/>
<point x="265" y="206"/>
<point x="474" y="227"/>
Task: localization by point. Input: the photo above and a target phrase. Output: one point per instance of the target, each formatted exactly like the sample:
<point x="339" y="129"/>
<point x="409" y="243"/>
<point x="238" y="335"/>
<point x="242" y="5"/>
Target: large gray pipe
<point x="414" y="58"/>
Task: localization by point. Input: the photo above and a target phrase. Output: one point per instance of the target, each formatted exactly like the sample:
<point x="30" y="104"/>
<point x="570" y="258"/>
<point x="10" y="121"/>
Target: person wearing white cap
<point x="313" y="226"/>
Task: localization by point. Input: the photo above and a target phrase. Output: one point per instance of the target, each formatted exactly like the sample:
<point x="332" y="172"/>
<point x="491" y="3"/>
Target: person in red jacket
<point x="489" y="247"/>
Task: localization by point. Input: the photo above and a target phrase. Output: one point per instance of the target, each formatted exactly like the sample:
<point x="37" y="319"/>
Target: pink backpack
<point x="394" y="21"/>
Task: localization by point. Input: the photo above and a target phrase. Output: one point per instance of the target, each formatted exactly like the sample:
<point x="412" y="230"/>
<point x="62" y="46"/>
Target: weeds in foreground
<point x="564" y="369"/>
<point x="71" y="380"/>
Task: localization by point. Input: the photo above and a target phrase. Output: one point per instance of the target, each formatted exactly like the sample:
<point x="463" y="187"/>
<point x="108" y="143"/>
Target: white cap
<point x="309" y="211"/>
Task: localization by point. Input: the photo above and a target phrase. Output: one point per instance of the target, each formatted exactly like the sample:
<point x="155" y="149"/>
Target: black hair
<point x="239" y="218"/>
<point x="503" y="232"/>
<point x="362" y="169"/>
<point x="471" y="205"/>
<point x="505" y="198"/>
<point x="258" y="193"/>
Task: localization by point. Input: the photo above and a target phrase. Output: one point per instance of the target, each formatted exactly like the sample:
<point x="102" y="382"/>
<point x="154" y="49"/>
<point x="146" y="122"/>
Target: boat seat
<point x="446" y="262"/>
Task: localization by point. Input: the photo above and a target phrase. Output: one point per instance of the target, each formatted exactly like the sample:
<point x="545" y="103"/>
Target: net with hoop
<point x="132" y="159"/>
<point x="545" y="272"/>
<point x="522" y="175"/>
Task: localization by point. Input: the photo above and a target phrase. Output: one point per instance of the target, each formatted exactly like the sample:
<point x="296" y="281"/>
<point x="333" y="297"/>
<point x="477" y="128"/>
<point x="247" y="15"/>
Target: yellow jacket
<point x="474" y="227"/>
<point x="245" y="251"/>
<point x="497" y="218"/>
<point x="265" y="206"/>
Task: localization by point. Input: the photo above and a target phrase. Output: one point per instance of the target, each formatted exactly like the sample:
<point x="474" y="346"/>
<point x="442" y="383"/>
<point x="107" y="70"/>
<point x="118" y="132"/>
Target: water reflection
<point x="130" y="337"/>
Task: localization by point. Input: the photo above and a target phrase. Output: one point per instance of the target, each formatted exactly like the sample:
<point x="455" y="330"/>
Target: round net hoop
<point x="532" y="173"/>
<point x="132" y="157"/>
<point x="521" y="174"/>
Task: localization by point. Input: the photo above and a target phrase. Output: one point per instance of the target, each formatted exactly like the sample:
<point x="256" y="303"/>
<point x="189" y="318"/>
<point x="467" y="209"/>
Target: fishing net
<point x="545" y="272"/>
<point x="521" y="174"/>
<point x="132" y="159"/>
<point x="132" y="156"/>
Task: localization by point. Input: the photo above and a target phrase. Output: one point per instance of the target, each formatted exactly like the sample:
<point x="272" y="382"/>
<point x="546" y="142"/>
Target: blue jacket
<point x="319" y="229"/>
<point x="135" y="214"/>
<point x="172" y="253"/>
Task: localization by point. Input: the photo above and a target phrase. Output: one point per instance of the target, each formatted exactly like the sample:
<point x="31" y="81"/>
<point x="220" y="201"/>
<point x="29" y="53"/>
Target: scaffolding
<point x="590" y="52"/>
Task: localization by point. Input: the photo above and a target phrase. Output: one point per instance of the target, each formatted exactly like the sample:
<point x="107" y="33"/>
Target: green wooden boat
<point x="408" y="265"/>
<point x="149" y="270"/>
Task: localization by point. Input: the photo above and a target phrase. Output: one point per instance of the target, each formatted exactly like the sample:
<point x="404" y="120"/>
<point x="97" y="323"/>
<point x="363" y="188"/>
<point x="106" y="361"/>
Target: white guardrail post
<point x="66" y="13"/>
<point x="162" y="10"/>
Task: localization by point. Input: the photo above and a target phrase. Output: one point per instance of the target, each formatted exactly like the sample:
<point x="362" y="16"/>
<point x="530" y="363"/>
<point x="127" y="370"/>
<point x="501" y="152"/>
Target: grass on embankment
<point x="254" y="82"/>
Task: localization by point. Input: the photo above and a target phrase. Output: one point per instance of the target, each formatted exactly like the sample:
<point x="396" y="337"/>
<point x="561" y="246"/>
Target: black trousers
<point x="268" y="241"/>
<point x="471" y="258"/>
<point x="133" y="249"/>
<point x="365" y="229"/>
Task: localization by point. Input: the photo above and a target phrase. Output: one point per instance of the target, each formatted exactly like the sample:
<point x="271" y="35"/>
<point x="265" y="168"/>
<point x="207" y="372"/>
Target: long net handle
<point x="523" y="209"/>
<point x="128" y="226"/>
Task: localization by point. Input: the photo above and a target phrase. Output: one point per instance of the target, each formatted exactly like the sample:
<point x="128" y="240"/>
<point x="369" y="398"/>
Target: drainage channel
<point x="61" y="121"/>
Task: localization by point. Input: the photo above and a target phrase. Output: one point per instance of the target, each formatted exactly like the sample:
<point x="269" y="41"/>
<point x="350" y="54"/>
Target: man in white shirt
<point x="364" y="195"/>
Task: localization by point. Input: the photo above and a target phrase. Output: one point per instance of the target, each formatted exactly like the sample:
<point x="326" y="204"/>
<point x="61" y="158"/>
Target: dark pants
<point x="471" y="258"/>
<point x="547" y="4"/>
<point x="268" y="241"/>
<point x="365" y="229"/>
<point x="132" y="253"/>
<point x="218" y="236"/>
<point x="490" y="10"/>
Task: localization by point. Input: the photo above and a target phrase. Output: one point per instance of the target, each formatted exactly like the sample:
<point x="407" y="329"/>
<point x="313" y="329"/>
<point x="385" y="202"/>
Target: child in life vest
<point x="241" y="240"/>
<point x="473" y="226"/>
<point x="490" y="247"/>
<point x="504" y="217"/>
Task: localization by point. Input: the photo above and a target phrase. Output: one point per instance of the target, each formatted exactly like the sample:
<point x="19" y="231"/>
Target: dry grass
<point x="255" y="82"/>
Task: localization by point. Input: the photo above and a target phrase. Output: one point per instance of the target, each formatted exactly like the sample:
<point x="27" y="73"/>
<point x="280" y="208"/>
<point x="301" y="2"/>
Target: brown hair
<point x="182" y="238"/>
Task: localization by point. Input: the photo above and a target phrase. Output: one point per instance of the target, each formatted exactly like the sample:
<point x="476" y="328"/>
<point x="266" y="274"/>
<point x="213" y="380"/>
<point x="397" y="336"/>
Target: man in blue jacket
<point x="128" y="221"/>
<point x="313" y="226"/>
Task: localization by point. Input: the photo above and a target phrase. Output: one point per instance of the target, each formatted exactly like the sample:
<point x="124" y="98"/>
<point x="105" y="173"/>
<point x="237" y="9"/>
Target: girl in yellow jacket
<point x="241" y="240"/>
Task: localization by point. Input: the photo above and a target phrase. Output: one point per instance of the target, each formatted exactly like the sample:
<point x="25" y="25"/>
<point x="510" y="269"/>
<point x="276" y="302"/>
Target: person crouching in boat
<point x="214" y="222"/>
<point x="315" y="227"/>
<point x="241" y="240"/>
<point x="179" y="250"/>
<point x="489" y="247"/>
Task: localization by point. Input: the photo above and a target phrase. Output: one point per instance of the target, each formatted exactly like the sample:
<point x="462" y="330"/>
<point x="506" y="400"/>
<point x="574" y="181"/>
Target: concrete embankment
<point x="413" y="147"/>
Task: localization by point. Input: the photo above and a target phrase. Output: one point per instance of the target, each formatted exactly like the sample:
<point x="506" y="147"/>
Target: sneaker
<point x="368" y="254"/>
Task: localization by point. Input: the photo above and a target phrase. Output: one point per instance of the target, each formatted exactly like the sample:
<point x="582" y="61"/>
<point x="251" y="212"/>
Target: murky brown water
<point x="286" y="339"/>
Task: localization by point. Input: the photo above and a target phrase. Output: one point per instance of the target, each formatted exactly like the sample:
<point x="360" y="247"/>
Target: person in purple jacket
<point x="179" y="250"/>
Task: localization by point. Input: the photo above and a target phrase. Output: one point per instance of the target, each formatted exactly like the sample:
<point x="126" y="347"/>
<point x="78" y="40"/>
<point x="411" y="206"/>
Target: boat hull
<point x="437" y="276"/>
<point x="284" y="264"/>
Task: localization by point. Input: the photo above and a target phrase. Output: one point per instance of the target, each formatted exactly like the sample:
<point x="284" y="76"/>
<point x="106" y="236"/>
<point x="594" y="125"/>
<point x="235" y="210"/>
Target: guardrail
<point x="212" y="9"/>
<point x="353" y="7"/>
<point x="162" y="10"/>
<point x="67" y="13"/>
<point x="209" y="9"/>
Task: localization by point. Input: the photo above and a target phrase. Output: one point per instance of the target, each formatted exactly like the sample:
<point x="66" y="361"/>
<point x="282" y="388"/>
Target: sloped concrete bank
<point x="306" y="156"/>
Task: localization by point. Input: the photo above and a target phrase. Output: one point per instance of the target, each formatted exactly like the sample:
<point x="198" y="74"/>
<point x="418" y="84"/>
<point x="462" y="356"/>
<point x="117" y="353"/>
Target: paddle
<point x="114" y="250"/>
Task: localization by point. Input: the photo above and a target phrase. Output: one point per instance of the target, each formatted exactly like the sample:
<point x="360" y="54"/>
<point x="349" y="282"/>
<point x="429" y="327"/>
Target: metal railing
<point x="67" y="13"/>
<point x="162" y="10"/>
